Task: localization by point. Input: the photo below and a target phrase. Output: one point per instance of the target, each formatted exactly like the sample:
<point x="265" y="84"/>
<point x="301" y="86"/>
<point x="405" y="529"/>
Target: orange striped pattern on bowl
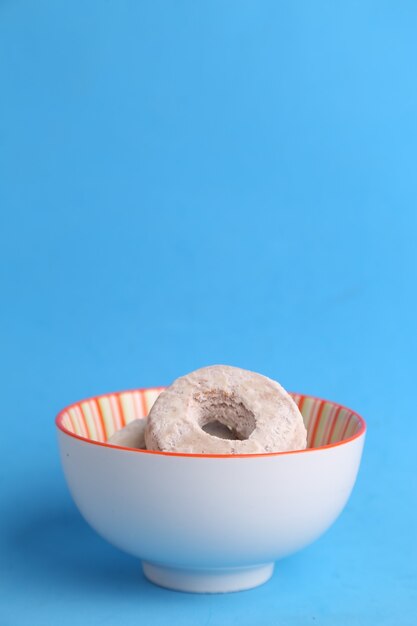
<point x="98" y="418"/>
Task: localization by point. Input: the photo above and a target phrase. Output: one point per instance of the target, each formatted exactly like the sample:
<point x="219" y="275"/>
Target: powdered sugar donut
<point x="131" y="436"/>
<point x="255" y="412"/>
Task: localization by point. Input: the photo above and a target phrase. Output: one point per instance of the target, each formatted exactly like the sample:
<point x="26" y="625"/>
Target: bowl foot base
<point x="208" y="581"/>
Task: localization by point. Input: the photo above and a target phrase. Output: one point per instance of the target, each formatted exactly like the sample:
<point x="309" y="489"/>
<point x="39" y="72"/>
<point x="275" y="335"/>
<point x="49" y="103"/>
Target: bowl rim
<point x="303" y="396"/>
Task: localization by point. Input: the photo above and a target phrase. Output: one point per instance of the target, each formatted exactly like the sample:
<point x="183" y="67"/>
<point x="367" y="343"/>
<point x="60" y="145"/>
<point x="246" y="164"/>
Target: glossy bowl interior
<point x="207" y="523"/>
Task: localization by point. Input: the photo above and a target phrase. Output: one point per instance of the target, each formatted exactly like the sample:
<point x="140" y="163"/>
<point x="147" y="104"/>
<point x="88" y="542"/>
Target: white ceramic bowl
<point x="207" y="523"/>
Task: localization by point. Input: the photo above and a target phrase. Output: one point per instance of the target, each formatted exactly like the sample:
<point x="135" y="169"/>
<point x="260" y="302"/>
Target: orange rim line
<point x="66" y="411"/>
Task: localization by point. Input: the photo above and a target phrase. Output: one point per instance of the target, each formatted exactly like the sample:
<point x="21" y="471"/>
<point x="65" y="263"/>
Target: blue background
<point x="187" y="183"/>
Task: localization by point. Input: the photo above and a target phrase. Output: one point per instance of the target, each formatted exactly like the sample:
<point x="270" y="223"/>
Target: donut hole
<point x="225" y="416"/>
<point x="217" y="429"/>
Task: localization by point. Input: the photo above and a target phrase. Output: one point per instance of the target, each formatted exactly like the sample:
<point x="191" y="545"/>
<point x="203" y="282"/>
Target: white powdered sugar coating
<point x="257" y="412"/>
<point x="131" y="436"/>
